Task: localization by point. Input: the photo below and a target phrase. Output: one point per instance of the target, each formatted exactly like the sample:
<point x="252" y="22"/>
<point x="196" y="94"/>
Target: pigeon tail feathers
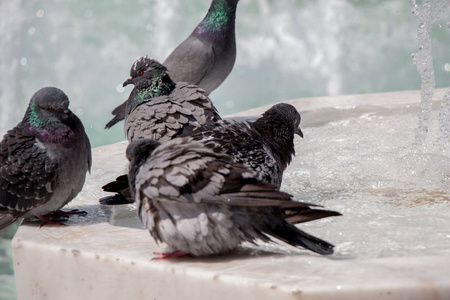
<point x="296" y="237"/>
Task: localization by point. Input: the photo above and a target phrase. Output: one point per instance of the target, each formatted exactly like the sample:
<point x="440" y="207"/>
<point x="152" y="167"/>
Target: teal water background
<point x="285" y="49"/>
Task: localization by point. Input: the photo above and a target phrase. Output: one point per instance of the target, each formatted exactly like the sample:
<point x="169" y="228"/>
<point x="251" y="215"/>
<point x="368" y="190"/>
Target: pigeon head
<point x="49" y="109"/>
<point x="146" y="72"/>
<point x="137" y="153"/>
<point x="139" y="150"/>
<point x="48" y="116"/>
<point x="282" y="117"/>
<point x="290" y="114"/>
<point x="277" y="127"/>
<point x="150" y="79"/>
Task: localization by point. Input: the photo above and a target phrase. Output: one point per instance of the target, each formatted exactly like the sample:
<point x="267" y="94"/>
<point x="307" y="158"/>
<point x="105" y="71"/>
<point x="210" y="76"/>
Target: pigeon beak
<point x="128" y="81"/>
<point x="299" y="132"/>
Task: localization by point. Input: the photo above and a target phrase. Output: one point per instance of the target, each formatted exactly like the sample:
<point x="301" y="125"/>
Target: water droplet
<point x="79" y="112"/>
<point x="40" y="13"/>
<point x="31" y="30"/>
<point x="120" y="88"/>
<point x="88" y="13"/>
<point x="23" y="61"/>
<point x="447" y="67"/>
<point x="339" y="287"/>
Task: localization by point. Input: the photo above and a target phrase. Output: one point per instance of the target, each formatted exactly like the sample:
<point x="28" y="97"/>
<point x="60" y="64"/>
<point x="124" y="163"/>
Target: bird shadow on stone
<point x="94" y="214"/>
<point x="242" y="253"/>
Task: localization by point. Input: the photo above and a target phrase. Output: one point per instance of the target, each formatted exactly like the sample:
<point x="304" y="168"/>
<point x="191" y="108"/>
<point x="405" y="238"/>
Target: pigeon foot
<point x="167" y="255"/>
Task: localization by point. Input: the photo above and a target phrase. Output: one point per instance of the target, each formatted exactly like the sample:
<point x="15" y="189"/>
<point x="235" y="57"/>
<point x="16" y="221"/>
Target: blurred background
<point x="285" y="49"/>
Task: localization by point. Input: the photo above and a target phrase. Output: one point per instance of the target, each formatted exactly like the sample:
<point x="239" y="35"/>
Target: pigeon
<point x="200" y="202"/>
<point x="159" y="109"/>
<point x="266" y="145"/>
<point x="206" y="57"/>
<point x="43" y="161"/>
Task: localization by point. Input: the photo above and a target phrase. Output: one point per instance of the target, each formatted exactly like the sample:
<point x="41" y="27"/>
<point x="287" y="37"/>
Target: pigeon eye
<point x="140" y="72"/>
<point x="51" y="107"/>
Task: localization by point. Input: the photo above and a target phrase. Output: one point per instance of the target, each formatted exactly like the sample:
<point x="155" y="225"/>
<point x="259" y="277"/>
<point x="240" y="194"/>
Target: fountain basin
<point x="108" y="255"/>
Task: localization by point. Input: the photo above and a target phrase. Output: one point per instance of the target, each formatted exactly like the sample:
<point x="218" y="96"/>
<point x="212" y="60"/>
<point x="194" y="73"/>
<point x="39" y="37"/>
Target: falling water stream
<point x="388" y="176"/>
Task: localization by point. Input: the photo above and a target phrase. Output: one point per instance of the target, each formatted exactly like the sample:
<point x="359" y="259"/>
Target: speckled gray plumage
<point x="266" y="145"/>
<point x="202" y="203"/>
<point x="43" y="160"/>
<point x="168" y="116"/>
<point x="159" y="109"/>
<point x="206" y="57"/>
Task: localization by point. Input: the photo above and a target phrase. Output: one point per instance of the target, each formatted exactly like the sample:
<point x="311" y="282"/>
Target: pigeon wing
<point x="118" y="113"/>
<point x="27" y="174"/>
<point x="194" y="99"/>
<point x="165" y="117"/>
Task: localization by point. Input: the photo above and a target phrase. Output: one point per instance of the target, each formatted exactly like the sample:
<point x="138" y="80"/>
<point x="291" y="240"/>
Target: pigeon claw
<point x="59" y="217"/>
<point x="71" y="212"/>
<point x="167" y="255"/>
<point x="53" y="219"/>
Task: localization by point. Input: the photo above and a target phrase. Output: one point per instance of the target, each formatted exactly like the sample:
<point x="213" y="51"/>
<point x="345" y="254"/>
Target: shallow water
<point x="395" y="202"/>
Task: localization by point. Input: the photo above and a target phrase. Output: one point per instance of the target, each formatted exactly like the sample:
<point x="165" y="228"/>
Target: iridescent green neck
<point x="219" y="15"/>
<point x="157" y="87"/>
<point x="33" y="119"/>
<point x="47" y="130"/>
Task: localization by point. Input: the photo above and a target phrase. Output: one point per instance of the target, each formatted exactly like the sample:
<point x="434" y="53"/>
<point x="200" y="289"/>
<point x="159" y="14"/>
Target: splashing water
<point x="296" y="48"/>
<point x="360" y="163"/>
<point x="443" y="141"/>
<point x="423" y="59"/>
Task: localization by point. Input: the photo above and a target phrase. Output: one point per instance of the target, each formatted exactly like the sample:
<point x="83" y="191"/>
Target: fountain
<point x="362" y="155"/>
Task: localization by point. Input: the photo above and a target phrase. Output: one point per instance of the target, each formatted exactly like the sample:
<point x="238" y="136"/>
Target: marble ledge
<point x="103" y="256"/>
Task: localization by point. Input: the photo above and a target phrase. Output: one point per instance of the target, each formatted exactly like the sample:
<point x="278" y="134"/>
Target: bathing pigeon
<point x="199" y="202"/>
<point x="43" y="160"/>
<point x="206" y="57"/>
<point x="158" y="108"/>
<point x="266" y="145"/>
